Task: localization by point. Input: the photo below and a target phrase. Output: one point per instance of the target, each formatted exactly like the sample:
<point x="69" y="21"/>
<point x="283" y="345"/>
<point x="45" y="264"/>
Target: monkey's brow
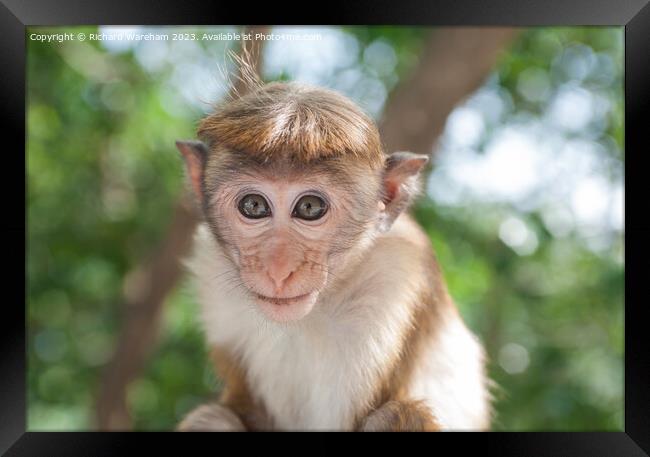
<point x="245" y="188"/>
<point x="322" y="192"/>
<point x="233" y="192"/>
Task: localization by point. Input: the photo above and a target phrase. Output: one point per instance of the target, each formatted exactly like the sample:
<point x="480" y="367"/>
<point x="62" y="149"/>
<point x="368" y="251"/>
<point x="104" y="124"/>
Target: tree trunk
<point x="454" y="63"/>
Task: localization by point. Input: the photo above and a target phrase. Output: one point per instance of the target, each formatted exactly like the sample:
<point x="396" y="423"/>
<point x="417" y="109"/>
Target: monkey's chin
<point x="287" y="309"/>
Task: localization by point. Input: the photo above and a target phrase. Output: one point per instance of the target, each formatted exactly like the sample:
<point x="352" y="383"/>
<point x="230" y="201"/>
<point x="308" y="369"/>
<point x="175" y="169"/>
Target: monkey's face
<point x="287" y="234"/>
<point x="294" y="183"/>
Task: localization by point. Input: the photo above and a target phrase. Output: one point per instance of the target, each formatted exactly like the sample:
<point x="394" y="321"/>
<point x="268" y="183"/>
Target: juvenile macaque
<point x="323" y="305"/>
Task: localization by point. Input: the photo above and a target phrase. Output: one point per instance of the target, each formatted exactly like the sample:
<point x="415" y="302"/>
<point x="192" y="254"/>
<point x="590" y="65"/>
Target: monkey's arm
<point x="400" y="416"/>
<point x="211" y="417"/>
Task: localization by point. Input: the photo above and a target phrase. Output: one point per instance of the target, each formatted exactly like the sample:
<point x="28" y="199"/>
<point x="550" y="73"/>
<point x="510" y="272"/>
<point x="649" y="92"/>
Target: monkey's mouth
<point x="286" y="309"/>
<point x="285" y="300"/>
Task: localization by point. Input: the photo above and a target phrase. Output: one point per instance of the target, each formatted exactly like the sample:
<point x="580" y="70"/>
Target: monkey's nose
<point x="279" y="277"/>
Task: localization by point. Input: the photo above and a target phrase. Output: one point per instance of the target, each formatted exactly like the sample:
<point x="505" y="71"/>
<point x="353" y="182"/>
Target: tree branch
<point x="453" y="64"/>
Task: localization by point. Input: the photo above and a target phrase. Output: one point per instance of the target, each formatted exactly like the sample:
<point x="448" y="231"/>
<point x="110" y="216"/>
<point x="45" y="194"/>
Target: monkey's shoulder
<point x="405" y="248"/>
<point x="406" y="228"/>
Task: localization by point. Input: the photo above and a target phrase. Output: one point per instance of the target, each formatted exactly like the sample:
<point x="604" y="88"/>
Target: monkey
<point x="322" y="302"/>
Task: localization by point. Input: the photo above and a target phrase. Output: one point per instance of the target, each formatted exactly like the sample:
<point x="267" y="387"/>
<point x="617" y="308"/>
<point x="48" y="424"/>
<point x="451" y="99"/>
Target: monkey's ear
<point x="194" y="154"/>
<point x="400" y="184"/>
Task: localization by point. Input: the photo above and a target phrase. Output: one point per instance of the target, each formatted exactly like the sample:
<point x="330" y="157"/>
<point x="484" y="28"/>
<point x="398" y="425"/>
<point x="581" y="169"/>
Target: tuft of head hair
<point x="246" y="75"/>
<point x="294" y="122"/>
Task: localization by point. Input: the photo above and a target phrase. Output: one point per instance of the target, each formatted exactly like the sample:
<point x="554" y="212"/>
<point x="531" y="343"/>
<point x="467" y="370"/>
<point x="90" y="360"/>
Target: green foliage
<point x="103" y="176"/>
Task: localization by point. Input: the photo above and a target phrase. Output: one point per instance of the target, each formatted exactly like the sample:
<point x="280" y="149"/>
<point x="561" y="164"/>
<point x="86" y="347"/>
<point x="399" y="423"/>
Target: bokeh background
<point x="523" y="204"/>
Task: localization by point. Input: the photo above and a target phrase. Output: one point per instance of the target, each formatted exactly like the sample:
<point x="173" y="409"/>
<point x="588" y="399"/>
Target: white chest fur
<point x="316" y="373"/>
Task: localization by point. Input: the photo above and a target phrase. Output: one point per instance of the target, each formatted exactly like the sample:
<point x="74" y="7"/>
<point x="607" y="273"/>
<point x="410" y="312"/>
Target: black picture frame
<point x="634" y="15"/>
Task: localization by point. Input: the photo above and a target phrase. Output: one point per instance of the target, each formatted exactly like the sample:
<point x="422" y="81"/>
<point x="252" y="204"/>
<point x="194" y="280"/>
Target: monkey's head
<point x="294" y="185"/>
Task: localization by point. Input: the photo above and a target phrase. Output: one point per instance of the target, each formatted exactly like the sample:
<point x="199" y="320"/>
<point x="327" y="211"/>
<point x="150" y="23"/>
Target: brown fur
<point x="236" y="394"/>
<point x="426" y="318"/>
<point x="295" y="122"/>
<point x="401" y="416"/>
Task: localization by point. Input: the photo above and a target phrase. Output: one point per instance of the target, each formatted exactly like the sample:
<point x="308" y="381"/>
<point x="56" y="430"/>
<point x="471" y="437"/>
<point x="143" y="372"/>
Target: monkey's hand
<point x="400" y="416"/>
<point x="211" y="417"/>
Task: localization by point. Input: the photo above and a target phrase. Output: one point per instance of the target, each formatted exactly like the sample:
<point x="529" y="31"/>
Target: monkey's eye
<point x="254" y="206"/>
<point x="310" y="208"/>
